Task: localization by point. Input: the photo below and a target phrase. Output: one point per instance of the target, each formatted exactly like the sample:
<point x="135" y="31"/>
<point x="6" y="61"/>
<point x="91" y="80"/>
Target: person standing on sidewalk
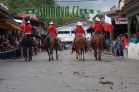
<point x="1" y="47"/>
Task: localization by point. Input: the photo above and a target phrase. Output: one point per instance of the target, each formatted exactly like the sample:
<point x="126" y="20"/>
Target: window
<point x="60" y="32"/>
<point x="72" y="31"/>
<point x="66" y="32"/>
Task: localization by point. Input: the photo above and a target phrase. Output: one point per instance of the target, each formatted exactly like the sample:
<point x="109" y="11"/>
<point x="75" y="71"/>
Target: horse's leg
<point x="83" y="55"/>
<point x="100" y="53"/>
<point x="30" y="53"/>
<point x="76" y="55"/>
<point x="25" y="53"/>
<point x="51" y="53"/>
<point x="56" y="54"/>
<point x="95" y="54"/>
<point x="79" y="55"/>
<point x="48" y="54"/>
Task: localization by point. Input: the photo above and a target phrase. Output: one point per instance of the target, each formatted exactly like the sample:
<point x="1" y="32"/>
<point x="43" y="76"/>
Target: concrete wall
<point x="133" y="51"/>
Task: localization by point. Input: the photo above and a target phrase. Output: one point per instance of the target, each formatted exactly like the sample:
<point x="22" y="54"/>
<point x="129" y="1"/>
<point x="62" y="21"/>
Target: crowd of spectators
<point x="121" y="43"/>
<point x="9" y="48"/>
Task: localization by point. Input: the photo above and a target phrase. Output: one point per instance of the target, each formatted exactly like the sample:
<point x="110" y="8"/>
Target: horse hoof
<point x="83" y="59"/>
<point x="76" y="57"/>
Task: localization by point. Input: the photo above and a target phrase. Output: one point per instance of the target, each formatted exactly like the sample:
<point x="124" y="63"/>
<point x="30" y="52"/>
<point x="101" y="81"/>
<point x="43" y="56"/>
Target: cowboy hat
<point x="28" y="21"/>
<point x="79" y="23"/>
<point x="51" y="23"/>
<point x="97" y="19"/>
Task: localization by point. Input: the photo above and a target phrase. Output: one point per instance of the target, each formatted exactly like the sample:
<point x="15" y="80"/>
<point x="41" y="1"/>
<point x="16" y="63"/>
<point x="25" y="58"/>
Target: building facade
<point x="131" y="8"/>
<point x="66" y="31"/>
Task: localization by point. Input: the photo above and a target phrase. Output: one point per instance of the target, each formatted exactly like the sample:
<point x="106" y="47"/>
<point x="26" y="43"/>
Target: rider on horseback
<point x="79" y="31"/>
<point x="97" y="27"/>
<point x="28" y="31"/>
<point x="52" y="31"/>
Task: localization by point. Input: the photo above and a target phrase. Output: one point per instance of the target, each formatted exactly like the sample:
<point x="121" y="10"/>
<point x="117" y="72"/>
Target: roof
<point x="81" y="20"/>
<point x="130" y="5"/>
<point x="109" y="14"/>
<point x="28" y="18"/>
<point x="13" y="21"/>
<point x="5" y="10"/>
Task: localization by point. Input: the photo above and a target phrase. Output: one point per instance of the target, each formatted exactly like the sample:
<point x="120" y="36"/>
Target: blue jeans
<point x="1" y="50"/>
<point x="3" y="55"/>
<point x="12" y="54"/>
<point x="119" y="52"/>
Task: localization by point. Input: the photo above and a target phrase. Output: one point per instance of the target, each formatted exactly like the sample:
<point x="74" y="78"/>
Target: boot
<point x="73" y="48"/>
<point x="86" y="47"/>
<point x="59" y="45"/>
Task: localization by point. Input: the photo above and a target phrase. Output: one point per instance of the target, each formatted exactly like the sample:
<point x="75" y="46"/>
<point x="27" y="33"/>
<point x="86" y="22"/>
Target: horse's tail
<point x="80" y="44"/>
<point x="100" y="46"/>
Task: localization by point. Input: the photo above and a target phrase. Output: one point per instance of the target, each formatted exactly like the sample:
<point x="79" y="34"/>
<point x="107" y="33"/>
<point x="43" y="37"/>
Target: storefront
<point x="7" y="25"/>
<point x="4" y="13"/>
<point x="131" y="8"/>
<point x="119" y="23"/>
<point x="41" y="26"/>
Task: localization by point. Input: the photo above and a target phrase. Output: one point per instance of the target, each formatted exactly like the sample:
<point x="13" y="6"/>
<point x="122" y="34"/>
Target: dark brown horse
<point x="97" y="43"/>
<point x="80" y="47"/>
<point x="51" y="43"/>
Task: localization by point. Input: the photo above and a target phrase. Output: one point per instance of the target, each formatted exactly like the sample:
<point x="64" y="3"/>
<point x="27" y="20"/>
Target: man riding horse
<point x="28" y="32"/>
<point x="97" y="27"/>
<point x="52" y="31"/>
<point x="79" y="31"/>
<point x="28" y="40"/>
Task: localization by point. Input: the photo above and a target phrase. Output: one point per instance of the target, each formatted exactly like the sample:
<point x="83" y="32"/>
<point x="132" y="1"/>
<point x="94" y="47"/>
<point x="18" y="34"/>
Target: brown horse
<point x="50" y="43"/>
<point x="80" y="47"/>
<point x="97" y="43"/>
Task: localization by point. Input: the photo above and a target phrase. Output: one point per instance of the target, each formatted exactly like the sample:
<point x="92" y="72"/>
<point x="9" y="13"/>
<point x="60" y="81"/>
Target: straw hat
<point x="97" y="19"/>
<point x="79" y="23"/>
<point x="51" y="23"/>
<point x="28" y="21"/>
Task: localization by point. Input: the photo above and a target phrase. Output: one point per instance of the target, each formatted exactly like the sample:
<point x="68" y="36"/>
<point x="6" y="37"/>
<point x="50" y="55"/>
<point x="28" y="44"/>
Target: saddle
<point x="98" y="32"/>
<point x="26" y="40"/>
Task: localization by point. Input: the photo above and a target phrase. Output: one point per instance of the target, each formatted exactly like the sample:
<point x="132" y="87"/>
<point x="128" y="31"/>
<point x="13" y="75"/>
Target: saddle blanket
<point x="79" y="34"/>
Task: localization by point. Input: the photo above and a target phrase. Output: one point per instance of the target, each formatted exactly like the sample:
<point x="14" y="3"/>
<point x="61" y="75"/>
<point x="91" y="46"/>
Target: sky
<point x="103" y="5"/>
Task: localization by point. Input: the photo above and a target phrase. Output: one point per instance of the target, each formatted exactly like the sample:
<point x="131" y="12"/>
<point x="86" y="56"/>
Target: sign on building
<point x="120" y="20"/>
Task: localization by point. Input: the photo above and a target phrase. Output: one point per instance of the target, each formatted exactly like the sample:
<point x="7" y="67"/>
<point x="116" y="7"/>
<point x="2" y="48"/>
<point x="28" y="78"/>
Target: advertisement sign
<point x="120" y="20"/>
<point x="59" y="11"/>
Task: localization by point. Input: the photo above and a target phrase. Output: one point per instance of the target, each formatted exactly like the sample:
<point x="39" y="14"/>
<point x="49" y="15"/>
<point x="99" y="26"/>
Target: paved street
<point x="69" y="75"/>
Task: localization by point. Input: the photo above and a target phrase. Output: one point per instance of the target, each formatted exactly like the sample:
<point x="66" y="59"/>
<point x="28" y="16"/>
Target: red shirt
<point x="28" y="28"/>
<point x="98" y="27"/>
<point x="51" y="30"/>
<point x="79" y="30"/>
<point x="125" y="43"/>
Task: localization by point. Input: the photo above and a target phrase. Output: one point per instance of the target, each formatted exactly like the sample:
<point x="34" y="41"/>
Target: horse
<point x="27" y="44"/>
<point x="97" y="43"/>
<point x="49" y="44"/>
<point x="80" y="47"/>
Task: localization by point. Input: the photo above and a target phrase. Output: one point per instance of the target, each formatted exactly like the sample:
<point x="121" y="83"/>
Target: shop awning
<point x="10" y="24"/>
